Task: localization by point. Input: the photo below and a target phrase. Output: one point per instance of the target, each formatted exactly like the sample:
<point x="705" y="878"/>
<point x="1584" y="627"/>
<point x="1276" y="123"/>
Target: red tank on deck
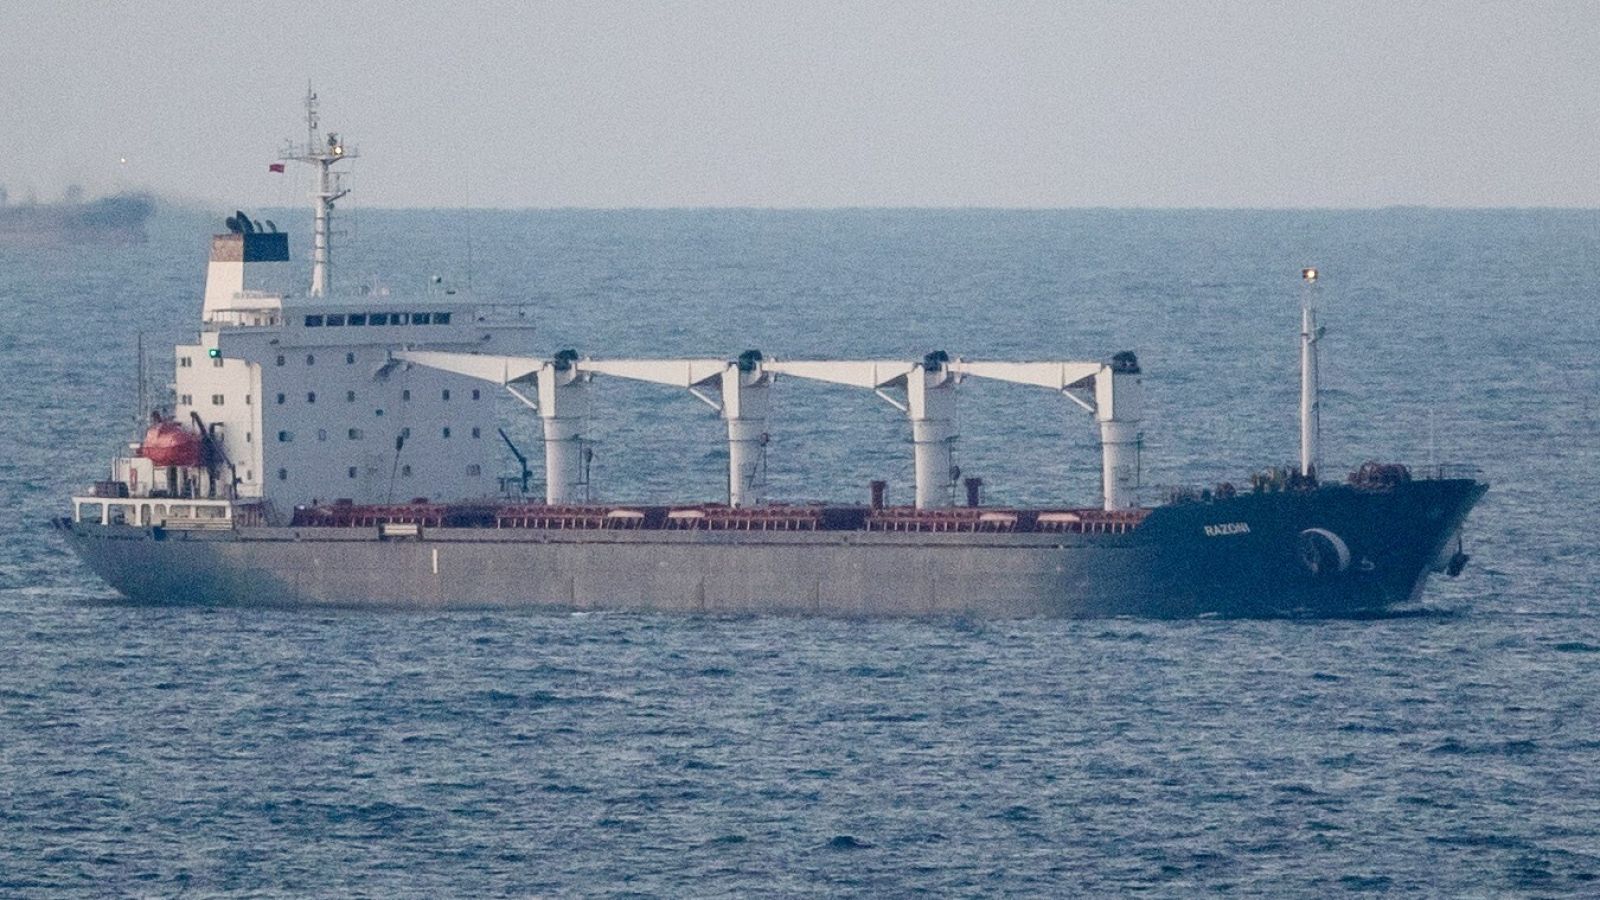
<point x="168" y="444"/>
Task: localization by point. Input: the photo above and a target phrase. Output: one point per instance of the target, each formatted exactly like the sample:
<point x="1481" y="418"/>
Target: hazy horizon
<point x="201" y="206"/>
<point x="814" y="106"/>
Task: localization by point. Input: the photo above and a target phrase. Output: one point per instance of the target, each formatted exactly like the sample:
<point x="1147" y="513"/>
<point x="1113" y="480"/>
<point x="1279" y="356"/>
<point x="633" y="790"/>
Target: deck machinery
<point x="738" y="390"/>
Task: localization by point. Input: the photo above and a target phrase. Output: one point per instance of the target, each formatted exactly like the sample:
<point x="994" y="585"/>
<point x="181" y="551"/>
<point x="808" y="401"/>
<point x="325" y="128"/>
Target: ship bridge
<point x="557" y="389"/>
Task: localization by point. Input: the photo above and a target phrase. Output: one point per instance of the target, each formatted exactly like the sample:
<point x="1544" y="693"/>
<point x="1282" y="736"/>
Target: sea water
<point x="1452" y="750"/>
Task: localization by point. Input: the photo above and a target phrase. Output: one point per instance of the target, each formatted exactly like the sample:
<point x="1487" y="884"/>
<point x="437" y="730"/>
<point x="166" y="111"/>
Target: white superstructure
<point x="300" y="398"/>
<point x="312" y="407"/>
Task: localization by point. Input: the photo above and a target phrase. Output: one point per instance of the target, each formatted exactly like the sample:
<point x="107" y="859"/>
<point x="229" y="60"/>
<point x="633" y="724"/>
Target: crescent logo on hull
<point x="1322" y="552"/>
<point x="1227" y="528"/>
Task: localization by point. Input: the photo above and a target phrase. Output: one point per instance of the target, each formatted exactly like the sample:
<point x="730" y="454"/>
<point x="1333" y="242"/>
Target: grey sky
<point x="816" y="104"/>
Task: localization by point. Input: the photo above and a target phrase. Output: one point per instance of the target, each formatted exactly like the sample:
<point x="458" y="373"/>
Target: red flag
<point x="275" y="167"/>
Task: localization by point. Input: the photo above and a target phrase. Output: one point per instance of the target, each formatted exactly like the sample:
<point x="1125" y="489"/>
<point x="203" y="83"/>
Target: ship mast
<point x="141" y="416"/>
<point x="1310" y="393"/>
<point x="327" y="186"/>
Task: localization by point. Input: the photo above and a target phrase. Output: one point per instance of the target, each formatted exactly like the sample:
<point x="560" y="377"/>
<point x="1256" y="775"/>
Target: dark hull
<point x="115" y="220"/>
<point x="1243" y="556"/>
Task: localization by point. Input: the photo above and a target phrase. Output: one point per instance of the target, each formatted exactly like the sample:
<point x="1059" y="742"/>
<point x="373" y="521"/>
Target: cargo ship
<point x="118" y="219"/>
<point x="324" y="450"/>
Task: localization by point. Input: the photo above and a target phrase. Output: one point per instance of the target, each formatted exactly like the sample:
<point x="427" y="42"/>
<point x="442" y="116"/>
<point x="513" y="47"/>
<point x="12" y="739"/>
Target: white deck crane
<point x="562" y="391"/>
<point x="744" y="404"/>
<point x="562" y="402"/>
<point x="1111" y="391"/>
<point x="930" y="404"/>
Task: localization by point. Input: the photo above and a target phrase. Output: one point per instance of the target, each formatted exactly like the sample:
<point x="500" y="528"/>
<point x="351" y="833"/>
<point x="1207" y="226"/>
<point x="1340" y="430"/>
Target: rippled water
<point x="152" y="750"/>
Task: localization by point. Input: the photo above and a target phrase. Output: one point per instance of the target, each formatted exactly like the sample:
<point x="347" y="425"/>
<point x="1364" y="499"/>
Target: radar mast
<point x="327" y="187"/>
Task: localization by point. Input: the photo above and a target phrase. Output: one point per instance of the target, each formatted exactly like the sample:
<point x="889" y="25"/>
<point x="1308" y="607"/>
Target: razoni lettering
<point x="1227" y="528"/>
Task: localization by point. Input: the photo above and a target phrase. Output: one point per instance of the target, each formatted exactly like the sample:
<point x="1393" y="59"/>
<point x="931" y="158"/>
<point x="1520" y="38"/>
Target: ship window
<point x="311" y="359"/>
<point x="246" y="399"/>
<point x="351" y="471"/>
<point x="355" y="434"/>
<point x="477" y="432"/>
<point x="441" y="318"/>
<point x="405" y="394"/>
<point x="476" y="394"/>
<point x="247" y="438"/>
<point x="285" y="437"/>
<point x="447" y="432"/>
<point x="280" y="399"/>
<point x="350" y="358"/>
<point x="335" y="321"/>
<point x="358" y="318"/>
<point x="377" y="412"/>
<point x="419" y="318"/>
<point x="280" y="359"/>
<point x="350" y="396"/>
<point x="186" y="399"/>
<point x="216" y="399"/>
<point x="378" y="319"/>
<point x="216" y="362"/>
<point x="398" y="318"/>
<point x="446" y="394"/>
<point x="311" y="396"/>
<point x="405" y="432"/>
<point x="474" y="471"/>
<point x="283" y="474"/>
<point x="405" y="471"/>
<point x="313" y="321"/>
<point x="322" y="434"/>
<point x="185" y="362"/>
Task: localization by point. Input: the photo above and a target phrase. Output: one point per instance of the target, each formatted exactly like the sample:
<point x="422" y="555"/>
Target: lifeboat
<point x="168" y="444"/>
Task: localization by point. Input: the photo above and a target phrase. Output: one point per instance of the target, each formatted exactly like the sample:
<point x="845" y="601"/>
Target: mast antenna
<point x="467" y="189"/>
<point x="1310" y="391"/>
<point x="141" y="416"/>
<point x="326" y="187"/>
